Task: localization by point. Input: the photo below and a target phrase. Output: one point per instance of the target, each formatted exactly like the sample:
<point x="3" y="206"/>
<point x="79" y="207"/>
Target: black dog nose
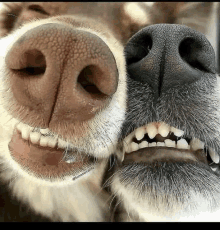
<point x="166" y="56"/>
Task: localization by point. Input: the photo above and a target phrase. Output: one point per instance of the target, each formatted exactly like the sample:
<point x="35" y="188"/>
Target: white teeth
<point x="170" y="143"/>
<point x="139" y="134"/>
<point x="160" y="144"/>
<point x="196" y="144"/>
<point x="134" y="146"/>
<point x="177" y="132"/>
<point x="43" y="141"/>
<point x="214" y="155"/>
<point x="27" y="133"/>
<point x="163" y="129"/>
<point x="153" y="144"/>
<point x="44" y="131"/>
<point x="20" y="126"/>
<point x="182" y="144"/>
<point x="52" y="142"/>
<point x="35" y="137"/>
<point x="151" y="130"/>
<point x="143" y="144"/>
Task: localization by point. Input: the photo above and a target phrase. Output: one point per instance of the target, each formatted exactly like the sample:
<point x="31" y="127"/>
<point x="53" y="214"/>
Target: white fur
<point x="136" y="13"/>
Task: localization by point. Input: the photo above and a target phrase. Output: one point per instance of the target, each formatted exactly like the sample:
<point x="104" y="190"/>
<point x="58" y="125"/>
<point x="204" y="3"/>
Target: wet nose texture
<point x="167" y="56"/>
<point x="59" y="72"/>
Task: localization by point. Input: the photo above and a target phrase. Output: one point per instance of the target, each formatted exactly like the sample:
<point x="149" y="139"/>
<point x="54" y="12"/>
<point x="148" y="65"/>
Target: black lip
<point x="165" y="154"/>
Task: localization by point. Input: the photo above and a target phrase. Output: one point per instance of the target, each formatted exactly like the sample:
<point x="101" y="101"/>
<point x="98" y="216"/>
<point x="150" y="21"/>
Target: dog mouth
<point x="44" y="155"/>
<point x="160" y="142"/>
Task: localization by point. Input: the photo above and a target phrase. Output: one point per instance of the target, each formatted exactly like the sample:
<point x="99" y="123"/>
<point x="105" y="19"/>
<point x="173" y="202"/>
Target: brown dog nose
<point x="60" y="72"/>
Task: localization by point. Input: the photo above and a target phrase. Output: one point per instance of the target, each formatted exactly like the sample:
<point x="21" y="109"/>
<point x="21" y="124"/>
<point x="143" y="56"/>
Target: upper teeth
<point x="163" y="129"/>
<point x="42" y="138"/>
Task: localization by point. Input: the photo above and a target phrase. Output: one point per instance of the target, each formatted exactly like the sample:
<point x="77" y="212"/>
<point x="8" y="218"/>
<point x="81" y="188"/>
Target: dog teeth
<point x="170" y="143"/>
<point x="182" y="144"/>
<point x="134" y="146"/>
<point x="44" y="141"/>
<point x="164" y="130"/>
<point x="177" y="132"/>
<point x="139" y="134"/>
<point x="196" y="144"/>
<point x="151" y="130"/>
<point x="143" y="144"/>
<point x="214" y="155"/>
<point x="36" y="136"/>
<point x="160" y="144"/>
<point x="52" y="142"/>
<point x="153" y="144"/>
<point x="44" y="131"/>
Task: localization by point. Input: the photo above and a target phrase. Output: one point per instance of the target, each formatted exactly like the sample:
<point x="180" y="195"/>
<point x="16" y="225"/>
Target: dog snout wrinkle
<point x="168" y="56"/>
<point x="61" y="73"/>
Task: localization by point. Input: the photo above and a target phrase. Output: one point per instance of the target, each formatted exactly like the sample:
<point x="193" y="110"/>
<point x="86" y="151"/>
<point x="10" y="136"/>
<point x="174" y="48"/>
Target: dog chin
<point x="164" y="191"/>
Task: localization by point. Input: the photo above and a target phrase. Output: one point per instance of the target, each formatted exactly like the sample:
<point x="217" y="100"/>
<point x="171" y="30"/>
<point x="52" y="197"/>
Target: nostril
<point x="30" y="63"/>
<point x="89" y="78"/>
<point x="137" y="51"/>
<point x="189" y="50"/>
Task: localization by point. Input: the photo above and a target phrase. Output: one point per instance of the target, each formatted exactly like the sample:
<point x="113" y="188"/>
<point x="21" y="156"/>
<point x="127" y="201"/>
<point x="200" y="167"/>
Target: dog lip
<point x="45" y="162"/>
<point x="165" y="154"/>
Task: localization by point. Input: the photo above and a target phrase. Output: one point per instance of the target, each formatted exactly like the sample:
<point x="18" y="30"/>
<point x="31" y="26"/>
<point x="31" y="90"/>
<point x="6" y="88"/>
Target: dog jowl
<point x="171" y="136"/>
<point x="63" y="94"/>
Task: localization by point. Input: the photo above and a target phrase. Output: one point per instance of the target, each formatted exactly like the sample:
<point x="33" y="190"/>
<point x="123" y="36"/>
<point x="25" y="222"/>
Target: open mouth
<point x="44" y="155"/>
<point x="161" y="142"/>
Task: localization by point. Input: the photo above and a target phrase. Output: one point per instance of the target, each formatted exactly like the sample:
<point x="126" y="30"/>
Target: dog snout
<point x="168" y="56"/>
<point x="59" y="72"/>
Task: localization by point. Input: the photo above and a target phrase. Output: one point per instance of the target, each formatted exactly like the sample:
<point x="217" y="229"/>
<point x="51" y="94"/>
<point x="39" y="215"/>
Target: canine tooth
<point x="35" y="137"/>
<point x="139" y="134"/>
<point x="153" y="144"/>
<point x="143" y="144"/>
<point x="214" y="155"/>
<point x="163" y="129"/>
<point x="196" y="144"/>
<point x="52" y="142"/>
<point x="128" y="139"/>
<point x="151" y="130"/>
<point x="44" y="131"/>
<point x="134" y="146"/>
<point x="182" y="144"/>
<point x="127" y="148"/>
<point x="170" y="143"/>
<point x="160" y="144"/>
<point x="43" y="141"/>
<point x="177" y="132"/>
